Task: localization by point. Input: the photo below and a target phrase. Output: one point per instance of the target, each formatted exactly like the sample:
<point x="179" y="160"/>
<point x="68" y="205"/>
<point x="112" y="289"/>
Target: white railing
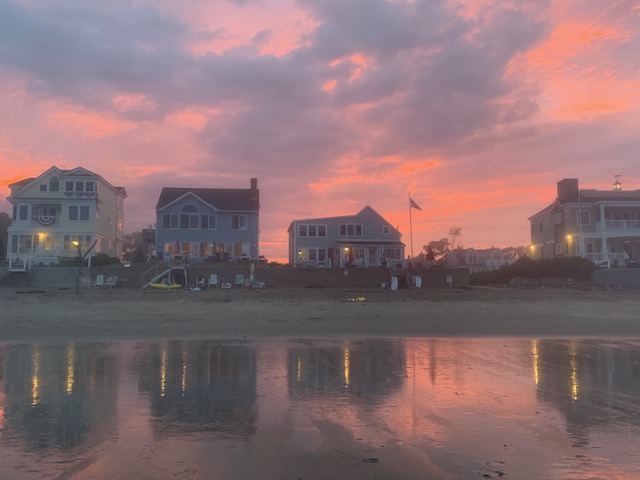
<point x="154" y="272"/>
<point x="612" y="258"/>
<point x="19" y="262"/>
<point x="618" y="225"/>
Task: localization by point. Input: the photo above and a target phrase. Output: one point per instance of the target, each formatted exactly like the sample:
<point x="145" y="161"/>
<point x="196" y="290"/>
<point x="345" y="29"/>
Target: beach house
<point x="217" y="224"/>
<point x="476" y="259"/>
<point x="61" y="212"/>
<point x="365" y="239"/>
<point x="601" y="225"/>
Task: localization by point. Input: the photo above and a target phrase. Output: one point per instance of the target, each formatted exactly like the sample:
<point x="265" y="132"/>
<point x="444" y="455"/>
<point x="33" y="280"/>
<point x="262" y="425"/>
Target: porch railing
<point x="618" y="225"/>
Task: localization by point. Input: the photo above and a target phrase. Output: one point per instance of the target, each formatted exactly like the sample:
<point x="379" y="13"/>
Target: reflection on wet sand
<point x="347" y="408"/>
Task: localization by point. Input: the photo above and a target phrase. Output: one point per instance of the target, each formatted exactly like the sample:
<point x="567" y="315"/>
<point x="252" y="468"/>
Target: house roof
<point x="341" y="217"/>
<point x="370" y="242"/>
<point x="78" y="171"/>
<point x="609" y="195"/>
<point x="229" y="199"/>
<point x="20" y="183"/>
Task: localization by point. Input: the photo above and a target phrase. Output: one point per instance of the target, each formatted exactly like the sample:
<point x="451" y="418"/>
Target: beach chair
<point x="85" y="281"/>
<point x="240" y="279"/>
<point x="99" y="281"/>
<point x="200" y="282"/>
<point x="112" y="282"/>
<point x="213" y="280"/>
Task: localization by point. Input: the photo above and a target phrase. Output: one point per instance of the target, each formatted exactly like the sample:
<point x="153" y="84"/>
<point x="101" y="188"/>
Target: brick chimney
<point x="568" y="190"/>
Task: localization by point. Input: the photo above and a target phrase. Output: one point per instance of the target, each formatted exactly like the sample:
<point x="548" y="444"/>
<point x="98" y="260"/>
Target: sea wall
<point x="272" y="276"/>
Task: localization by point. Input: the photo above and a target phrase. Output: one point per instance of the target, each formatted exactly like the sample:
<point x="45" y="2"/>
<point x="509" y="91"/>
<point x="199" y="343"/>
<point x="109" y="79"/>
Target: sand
<point x="28" y="315"/>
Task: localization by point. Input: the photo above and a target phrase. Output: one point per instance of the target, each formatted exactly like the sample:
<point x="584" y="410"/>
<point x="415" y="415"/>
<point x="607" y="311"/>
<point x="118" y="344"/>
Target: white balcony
<point x="630" y="226"/>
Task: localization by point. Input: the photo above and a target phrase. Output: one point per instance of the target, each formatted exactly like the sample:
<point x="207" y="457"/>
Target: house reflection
<point x="201" y="386"/>
<point x="583" y="379"/>
<point x="58" y="395"/>
<point x="367" y="369"/>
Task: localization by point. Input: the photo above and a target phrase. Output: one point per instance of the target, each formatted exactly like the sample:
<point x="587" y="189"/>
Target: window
<point x="238" y="222"/>
<point x="15" y="213"/>
<point x="189" y="218"/>
<point x="558" y="248"/>
<point x="392" y="254"/>
<point x="584" y="218"/>
<point x="557" y="218"/>
<point x="68" y="186"/>
<point x="208" y="222"/>
<point x="43" y="188"/>
<point x="386" y="229"/>
<point x="540" y="228"/>
<point x="306" y="230"/>
<point x="351" y="229"/>
<point x="89" y="186"/>
<point x="54" y="185"/>
<point x="79" y="186"/>
<point x="84" y="213"/>
<point x="73" y="212"/>
<point x="170" y="220"/>
<point x="24" y="211"/>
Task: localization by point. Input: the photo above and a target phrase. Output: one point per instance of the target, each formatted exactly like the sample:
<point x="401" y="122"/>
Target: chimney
<point x="254" y="194"/>
<point x="568" y="190"/>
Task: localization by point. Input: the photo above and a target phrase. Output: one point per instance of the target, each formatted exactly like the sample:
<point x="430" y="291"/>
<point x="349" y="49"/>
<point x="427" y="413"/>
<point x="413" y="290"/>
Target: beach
<point x="30" y="314"/>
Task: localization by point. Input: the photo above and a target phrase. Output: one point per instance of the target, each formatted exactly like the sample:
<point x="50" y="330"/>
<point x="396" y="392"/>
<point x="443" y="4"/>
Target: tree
<point x="5" y="223"/>
<point x="438" y="247"/>
<point x="514" y="253"/>
<point x="135" y="247"/>
<point x="455" y="233"/>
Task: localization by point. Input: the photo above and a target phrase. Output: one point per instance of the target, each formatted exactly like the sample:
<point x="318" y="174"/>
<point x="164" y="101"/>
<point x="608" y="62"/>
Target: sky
<point x="475" y="108"/>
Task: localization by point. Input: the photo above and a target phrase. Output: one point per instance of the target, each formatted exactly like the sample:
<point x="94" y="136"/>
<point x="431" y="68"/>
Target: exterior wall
<point x="221" y="240"/>
<point x="43" y="227"/>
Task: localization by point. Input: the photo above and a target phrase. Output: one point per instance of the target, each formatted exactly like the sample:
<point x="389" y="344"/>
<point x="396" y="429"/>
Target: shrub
<point x="576" y="268"/>
<point x="100" y="260"/>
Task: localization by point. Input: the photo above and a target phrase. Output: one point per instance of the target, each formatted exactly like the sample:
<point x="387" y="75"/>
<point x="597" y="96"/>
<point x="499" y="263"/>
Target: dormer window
<point x="54" y="185"/>
<point x="68" y="186"/>
<point x="386" y="229"/>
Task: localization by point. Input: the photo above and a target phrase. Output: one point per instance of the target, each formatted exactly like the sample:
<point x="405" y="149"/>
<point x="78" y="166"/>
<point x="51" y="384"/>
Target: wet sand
<point x="96" y="314"/>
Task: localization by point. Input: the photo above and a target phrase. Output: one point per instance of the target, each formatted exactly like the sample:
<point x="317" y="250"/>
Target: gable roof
<point x="367" y="208"/>
<point x="78" y="171"/>
<point x="229" y="199"/>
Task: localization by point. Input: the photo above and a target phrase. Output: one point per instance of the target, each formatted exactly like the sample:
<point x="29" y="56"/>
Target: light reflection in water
<point x="35" y="378"/>
<point x="71" y="365"/>
<point x="163" y="369"/>
<point x="573" y="361"/>
<point x="536" y="360"/>
<point x="346" y="365"/>
<point x="449" y="405"/>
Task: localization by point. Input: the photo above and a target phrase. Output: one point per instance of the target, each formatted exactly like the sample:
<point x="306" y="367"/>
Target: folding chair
<point x="99" y="281"/>
<point x="213" y="280"/>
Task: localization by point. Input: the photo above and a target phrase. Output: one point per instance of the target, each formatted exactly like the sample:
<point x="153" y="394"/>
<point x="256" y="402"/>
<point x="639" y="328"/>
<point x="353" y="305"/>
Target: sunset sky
<point x="476" y="107"/>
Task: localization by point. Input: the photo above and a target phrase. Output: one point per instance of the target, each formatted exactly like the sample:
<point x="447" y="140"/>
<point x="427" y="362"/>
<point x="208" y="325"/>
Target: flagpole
<point x="410" y="226"/>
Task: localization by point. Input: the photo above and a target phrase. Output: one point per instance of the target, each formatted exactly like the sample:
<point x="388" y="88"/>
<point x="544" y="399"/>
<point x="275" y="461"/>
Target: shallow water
<point x="323" y="408"/>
